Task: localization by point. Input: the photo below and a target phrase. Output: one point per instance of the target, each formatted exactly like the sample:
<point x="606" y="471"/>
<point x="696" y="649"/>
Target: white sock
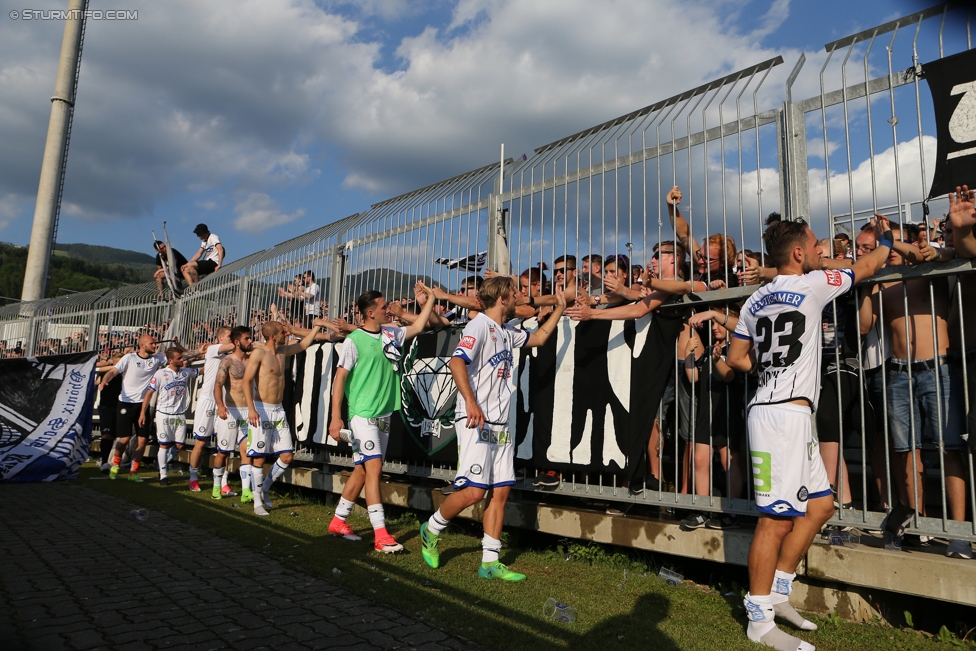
<point x="256" y="476"/>
<point x="437" y="523"/>
<point x="224" y="478"/>
<point x="376" y="516"/>
<point x="161" y="461"/>
<point x="490" y="547"/>
<point x="782" y="589"/>
<point x="277" y="470"/>
<point x="759" y="609"/>
<point x="245" y="476"/>
<point x="344" y="508"/>
<point x="218" y="476"/>
<point x="193" y="474"/>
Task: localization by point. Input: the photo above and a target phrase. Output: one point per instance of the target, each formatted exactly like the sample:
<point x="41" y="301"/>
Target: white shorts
<point x="486" y="456"/>
<point x="271" y="437"/>
<point x="170" y="428"/>
<point x="203" y="418"/>
<point x="370" y="437"/>
<point x="787" y="469"/>
<point x="232" y="431"/>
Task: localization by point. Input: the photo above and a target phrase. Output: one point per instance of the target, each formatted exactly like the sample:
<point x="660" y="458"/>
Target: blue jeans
<point x="922" y="407"/>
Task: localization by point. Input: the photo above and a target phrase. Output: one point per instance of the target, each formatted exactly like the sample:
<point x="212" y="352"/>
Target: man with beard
<point x="264" y="389"/>
<point x="231" y="423"/>
<point x="482" y="368"/>
<point x="782" y="321"/>
<point x="137" y="370"/>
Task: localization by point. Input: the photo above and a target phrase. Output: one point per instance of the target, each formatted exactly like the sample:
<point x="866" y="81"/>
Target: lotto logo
<point x="467" y="342"/>
<point x="833" y="277"/>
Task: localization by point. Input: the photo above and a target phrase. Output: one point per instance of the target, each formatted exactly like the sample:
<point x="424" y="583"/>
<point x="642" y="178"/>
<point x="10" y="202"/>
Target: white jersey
<point x="783" y="320"/>
<point x="213" y="358"/>
<point x="312" y="304"/>
<point x="136" y="373"/>
<point x="172" y="397"/>
<point x="210" y="249"/>
<point x="488" y="350"/>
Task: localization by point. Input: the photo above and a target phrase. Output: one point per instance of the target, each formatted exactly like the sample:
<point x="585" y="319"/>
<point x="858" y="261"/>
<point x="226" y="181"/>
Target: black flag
<point x="952" y="81"/>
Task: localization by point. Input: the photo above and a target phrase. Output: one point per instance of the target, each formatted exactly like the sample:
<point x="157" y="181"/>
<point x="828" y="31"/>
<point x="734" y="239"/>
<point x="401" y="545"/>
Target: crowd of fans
<point x="873" y="339"/>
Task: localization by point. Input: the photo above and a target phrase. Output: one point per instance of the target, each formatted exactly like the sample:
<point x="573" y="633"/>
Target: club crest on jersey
<point x="787" y="298"/>
<point x="467" y="342"/>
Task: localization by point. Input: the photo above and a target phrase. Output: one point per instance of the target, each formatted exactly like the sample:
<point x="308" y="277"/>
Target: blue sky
<point x="266" y="120"/>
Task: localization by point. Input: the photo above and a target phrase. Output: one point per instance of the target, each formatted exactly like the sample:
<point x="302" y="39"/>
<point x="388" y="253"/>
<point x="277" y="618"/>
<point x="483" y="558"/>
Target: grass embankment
<point x="621" y="604"/>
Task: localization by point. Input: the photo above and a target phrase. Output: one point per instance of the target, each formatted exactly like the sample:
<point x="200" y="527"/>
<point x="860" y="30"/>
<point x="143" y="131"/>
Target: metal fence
<point x="739" y="147"/>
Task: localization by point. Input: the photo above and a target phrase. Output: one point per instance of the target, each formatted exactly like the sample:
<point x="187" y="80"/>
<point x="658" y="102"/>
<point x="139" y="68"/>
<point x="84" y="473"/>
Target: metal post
<point x="338" y="280"/>
<point x="55" y="150"/>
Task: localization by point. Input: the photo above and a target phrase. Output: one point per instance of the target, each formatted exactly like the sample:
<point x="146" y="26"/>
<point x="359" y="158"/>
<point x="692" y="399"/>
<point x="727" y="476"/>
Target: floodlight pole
<point x="55" y="151"/>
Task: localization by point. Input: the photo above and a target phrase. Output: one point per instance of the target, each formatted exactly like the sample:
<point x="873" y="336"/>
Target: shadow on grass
<point x="649" y="611"/>
<point x="494" y="614"/>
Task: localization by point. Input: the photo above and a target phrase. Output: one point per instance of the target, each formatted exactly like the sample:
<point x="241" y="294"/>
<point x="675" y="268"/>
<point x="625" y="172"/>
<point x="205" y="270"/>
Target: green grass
<point x="636" y="612"/>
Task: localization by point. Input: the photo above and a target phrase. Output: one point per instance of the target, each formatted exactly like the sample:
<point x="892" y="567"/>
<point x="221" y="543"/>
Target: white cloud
<point x="258" y="213"/>
<point x="257" y="97"/>
<point x="878" y="188"/>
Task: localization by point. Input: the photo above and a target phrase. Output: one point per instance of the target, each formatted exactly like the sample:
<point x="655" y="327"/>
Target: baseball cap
<point x="201" y="228"/>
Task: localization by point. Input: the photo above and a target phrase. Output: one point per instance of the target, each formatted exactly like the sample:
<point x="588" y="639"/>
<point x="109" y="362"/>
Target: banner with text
<point x="46" y="406"/>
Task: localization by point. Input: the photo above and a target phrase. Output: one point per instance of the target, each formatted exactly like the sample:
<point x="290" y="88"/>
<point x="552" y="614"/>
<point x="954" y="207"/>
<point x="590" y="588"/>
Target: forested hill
<point x="76" y="268"/>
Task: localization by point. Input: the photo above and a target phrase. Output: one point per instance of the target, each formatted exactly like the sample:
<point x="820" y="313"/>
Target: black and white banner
<point x="46" y="406"/>
<point x="952" y="81"/>
<point x="585" y="400"/>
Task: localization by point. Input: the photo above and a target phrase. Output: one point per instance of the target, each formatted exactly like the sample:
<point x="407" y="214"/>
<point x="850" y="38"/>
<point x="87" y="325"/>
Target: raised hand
<point x="749" y="272"/>
<point x="674" y="196"/>
<point x="490" y="273"/>
<point x="962" y="207"/>
<point x="927" y="250"/>
<point x="612" y="283"/>
<point x="425" y="291"/>
<point x="579" y="312"/>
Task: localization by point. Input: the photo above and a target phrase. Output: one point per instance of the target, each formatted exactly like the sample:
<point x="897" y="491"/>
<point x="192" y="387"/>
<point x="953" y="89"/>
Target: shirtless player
<point x="264" y="388"/>
<point x="231" y="423"/>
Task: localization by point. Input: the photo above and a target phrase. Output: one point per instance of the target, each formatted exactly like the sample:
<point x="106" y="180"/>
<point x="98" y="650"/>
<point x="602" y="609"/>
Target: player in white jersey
<point x="206" y="409"/>
<point x="482" y="369"/>
<point x="172" y="398"/>
<point x="137" y="370"/>
<point x="779" y="336"/>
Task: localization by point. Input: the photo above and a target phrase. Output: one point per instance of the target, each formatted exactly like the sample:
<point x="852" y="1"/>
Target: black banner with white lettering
<point x="46" y="406"/>
<point x="952" y="81"/>
<point x="585" y="401"/>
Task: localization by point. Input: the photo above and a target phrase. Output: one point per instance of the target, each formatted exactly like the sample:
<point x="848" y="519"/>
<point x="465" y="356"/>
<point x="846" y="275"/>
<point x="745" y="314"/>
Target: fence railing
<point x="739" y="147"/>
